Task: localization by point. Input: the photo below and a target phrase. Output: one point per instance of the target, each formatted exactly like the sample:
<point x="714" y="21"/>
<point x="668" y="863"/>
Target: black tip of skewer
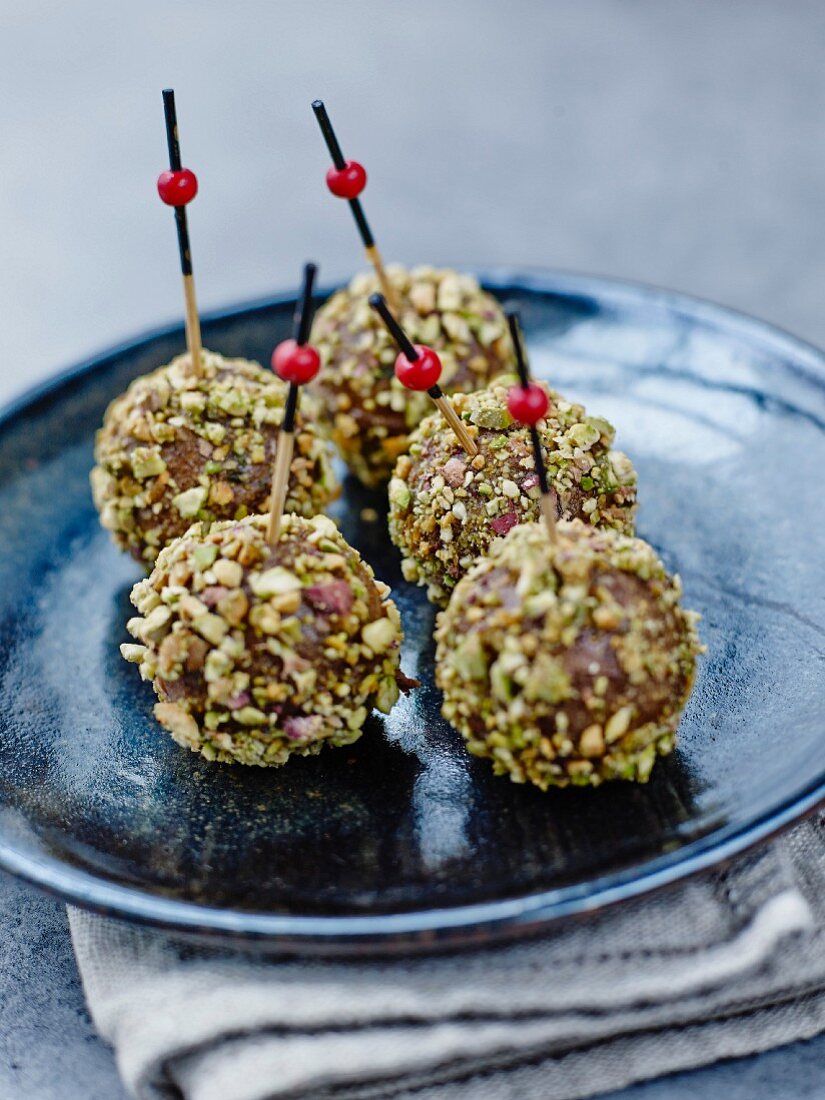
<point x="511" y="312"/>
<point x="329" y="134"/>
<point x="303" y="307"/>
<point x="170" y="115"/>
<point x="514" y="321"/>
<point x="379" y="304"/>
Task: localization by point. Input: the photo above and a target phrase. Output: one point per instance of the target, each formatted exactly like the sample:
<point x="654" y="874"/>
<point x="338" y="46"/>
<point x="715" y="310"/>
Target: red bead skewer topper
<point x="295" y="362"/>
<point x="419" y="368"/>
<point x="347" y="182"/>
<point x="418" y="374"/>
<point x="347" y="179"/>
<point x="528" y="404"/>
<point x="177" y="186"/>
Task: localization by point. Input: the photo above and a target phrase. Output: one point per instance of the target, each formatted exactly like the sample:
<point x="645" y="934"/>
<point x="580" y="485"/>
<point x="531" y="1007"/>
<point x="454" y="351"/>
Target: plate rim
<point x="463" y="925"/>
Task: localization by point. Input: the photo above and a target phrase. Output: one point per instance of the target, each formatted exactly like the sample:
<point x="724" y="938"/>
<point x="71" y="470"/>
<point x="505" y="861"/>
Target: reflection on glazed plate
<point x="403" y="840"/>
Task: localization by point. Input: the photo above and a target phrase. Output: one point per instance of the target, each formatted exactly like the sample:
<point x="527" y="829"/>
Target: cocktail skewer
<point x="177" y="187"/>
<point x="528" y="404"/>
<point x="419" y="368"/>
<point x="346" y="180"/>
<point x="295" y="362"/>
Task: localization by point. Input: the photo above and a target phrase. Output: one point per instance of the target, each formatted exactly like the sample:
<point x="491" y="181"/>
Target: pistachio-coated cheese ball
<point x="182" y="445"/>
<point x="370" y="414"/>
<point x="568" y="662"/>
<point x="446" y="508"/>
<point x="259" y="653"/>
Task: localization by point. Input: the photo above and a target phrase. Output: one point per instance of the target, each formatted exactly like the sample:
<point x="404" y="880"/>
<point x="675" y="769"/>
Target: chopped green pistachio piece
<point x="602" y="426"/>
<point x="583" y="435"/>
<point x="379" y="635"/>
<point x="387" y="694"/>
<point x="469" y="659"/>
<point x="548" y="680"/>
<point x="134" y="654"/>
<point x="399" y="493"/>
<point x="274" y="582"/>
<point x="147" y="462"/>
<point x="249" y="716"/>
<point x="212" y="627"/>
<point x="491" y="417"/>
<point x="204" y="556"/>
<point x="190" y="502"/>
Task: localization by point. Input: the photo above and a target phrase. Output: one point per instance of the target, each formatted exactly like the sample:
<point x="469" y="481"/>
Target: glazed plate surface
<point x="404" y="840"/>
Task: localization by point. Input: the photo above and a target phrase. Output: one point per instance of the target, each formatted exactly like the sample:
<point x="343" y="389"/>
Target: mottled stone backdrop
<point x="679" y="142"/>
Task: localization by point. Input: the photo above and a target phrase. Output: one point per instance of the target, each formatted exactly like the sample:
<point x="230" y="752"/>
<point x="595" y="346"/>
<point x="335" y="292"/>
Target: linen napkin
<point x="721" y="966"/>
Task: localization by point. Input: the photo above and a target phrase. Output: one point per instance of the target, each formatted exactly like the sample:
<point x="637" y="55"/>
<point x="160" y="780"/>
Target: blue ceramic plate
<point x="404" y="840"/>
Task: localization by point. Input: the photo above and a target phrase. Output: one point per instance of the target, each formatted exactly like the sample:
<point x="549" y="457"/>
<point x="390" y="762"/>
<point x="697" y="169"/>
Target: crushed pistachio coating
<point x="567" y="663"/>
<point x="181" y="445"/>
<point x="259" y="653"/>
<point x="446" y="507"/>
<point x="370" y="413"/>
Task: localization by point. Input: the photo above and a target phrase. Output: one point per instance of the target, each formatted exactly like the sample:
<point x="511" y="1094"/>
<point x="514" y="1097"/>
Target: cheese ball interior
<point x="370" y="414"/>
<point x="447" y="508"/>
<point x="567" y="663"/>
<point x="259" y="653"/>
<point x="181" y="445"/>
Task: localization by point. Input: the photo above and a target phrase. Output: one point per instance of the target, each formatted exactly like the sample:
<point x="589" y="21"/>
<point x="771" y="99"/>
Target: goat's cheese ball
<point x="259" y="653"/>
<point x="446" y="508"/>
<point x="567" y="662"/>
<point x="182" y="445"/>
<point x="369" y="413"/>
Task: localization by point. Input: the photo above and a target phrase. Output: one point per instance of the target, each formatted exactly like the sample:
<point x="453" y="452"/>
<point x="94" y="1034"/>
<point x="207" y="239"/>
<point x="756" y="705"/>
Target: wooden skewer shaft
<point x="387" y="289"/>
<point x="546" y="503"/>
<point x="280" y="483"/>
<point x="548" y="513"/>
<point x="454" y="420"/>
<point x="193" y="324"/>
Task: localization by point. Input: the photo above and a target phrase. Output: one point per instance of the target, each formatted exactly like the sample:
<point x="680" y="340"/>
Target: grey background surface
<point x="676" y="142"/>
